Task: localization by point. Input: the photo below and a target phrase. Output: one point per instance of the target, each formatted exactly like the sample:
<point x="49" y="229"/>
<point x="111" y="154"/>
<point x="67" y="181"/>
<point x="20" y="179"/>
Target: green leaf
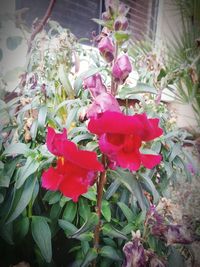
<point x="175" y="258"/>
<point x="52" y="197"/>
<point x="91" y="194"/>
<point x="71" y="116"/>
<point x="13" y="42"/>
<point x="90" y="256"/>
<point x="70" y="211"/>
<point x="6" y="232"/>
<point x="20" y="204"/>
<point x="42" y="116"/>
<point x="111" y="253"/>
<point x="21" y="227"/>
<point x="84" y="208"/>
<point x="121" y="36"/>
<point x="99" y="21"/>
<point x="24" y="172"/>
<point x="82" y="137"/>
<point x="105" y="209"/>
<point x="147" y="180"/>
<point x="68" y="227"/>
<point x="34" y="129"/>
<point x="112" y="189"/>
<point x="63" y="76"/>
<point x="110" y="231"/>
<point x="7" y="172"/>
<point x="87" y="226"/>
<point x="126" y="211"/>
<point x="128" y="229"/>
<point x="176" y="150"/>
<point x="133" y="185"/>
<point x="16" y="149"/>
<point x="42" y="235"/>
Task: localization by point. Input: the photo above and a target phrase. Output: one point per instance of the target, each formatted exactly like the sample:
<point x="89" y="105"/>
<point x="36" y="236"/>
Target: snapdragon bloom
<point x="121" y="69"/>
<point x="75" y="170"/>
<point x="94" y="84"/>
<point x="102" y="103"/>
<point x="106" y="48"/>
<point x="121" y="136"/>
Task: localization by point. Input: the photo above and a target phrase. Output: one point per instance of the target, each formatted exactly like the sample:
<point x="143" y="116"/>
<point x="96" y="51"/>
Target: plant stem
<point x="114" y="85"/>
<point x="100" y="185"/>
<point x="41" y="24"/>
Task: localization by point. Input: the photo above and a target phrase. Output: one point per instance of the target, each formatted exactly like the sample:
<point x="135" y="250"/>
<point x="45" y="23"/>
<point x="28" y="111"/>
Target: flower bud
<point x="106" y="16"/>
<point x="94" y="84"/>
<point x="111" y="6"/>
<point x="102" y="103"/>
<point x="121" y="23"/>
<point x="123" y="9"/>
<point x="121" y="69"/>
<point x="106" y="48"/>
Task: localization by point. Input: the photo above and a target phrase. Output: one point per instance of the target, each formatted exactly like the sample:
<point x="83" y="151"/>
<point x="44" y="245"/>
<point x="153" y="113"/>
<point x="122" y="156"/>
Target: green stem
<point x="30" y="209"/>
<point x="114" y="85"/>
<point x="100" y="186"/>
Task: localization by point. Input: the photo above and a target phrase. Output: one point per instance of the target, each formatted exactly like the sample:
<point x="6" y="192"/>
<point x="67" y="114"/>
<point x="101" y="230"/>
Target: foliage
<point x="51" y="93"/>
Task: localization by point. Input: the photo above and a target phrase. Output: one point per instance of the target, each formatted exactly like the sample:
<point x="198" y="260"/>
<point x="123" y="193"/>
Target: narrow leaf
<point x="42" y="235"/>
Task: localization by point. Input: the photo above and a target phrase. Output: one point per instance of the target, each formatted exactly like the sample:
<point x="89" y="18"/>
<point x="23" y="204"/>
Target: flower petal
<point x="51" y="179"/>
<point x="82" y="158"/>
<point x="150" y="161"/>
<point x="77" y="183"/>
<point x="55" y="141"/>
<point x="129" y="161"/>
<point x="102" y="103"/>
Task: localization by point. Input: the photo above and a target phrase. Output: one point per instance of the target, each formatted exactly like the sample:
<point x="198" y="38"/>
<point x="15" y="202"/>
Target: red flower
<point x="121" y="136"/>
<point x="76" y="169"/>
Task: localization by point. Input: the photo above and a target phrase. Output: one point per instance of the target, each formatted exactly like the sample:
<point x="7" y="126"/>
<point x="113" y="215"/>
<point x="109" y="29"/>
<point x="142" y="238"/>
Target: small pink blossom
<point x="94" y="84"/>
<point x="102" y="103"/>
<point x="106" y="48"/>
<point x="121" y="69"/>
<point x="121" y="23"/>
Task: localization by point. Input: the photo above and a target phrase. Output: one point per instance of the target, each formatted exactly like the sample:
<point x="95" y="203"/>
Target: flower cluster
<point x="121" y="136"/>
<point x="75" y="170"/>
<point x="138" y="256"/>
<point x="169" y="232"/>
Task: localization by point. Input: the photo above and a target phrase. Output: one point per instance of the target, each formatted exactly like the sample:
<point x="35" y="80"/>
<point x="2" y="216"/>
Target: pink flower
<point x="102" y="103"/>
<point x="94" y="84"/>
<point x="121" y="69"/>
<point x="121" y="23"/>
<point x="75" y="171"/>
<point x="121" y="136"/>
<point x="106" y="48"/>
<point x="123" y="9"/>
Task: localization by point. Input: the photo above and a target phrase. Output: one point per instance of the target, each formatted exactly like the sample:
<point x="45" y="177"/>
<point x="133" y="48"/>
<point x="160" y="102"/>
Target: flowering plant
<point x="87" y="163"/>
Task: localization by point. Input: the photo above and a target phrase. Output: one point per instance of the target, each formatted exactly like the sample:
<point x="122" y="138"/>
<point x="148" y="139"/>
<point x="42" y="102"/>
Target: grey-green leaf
<point x="70" y="211"/>
<point x="110" y="252"/>
<point x="90" y="256"/>
<point x="23" y="200"/>
<point x="16" y="149"/>
<point x="24" y="172"/>
<point x="126" y="211"/>
<point x="42" y="235"/>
